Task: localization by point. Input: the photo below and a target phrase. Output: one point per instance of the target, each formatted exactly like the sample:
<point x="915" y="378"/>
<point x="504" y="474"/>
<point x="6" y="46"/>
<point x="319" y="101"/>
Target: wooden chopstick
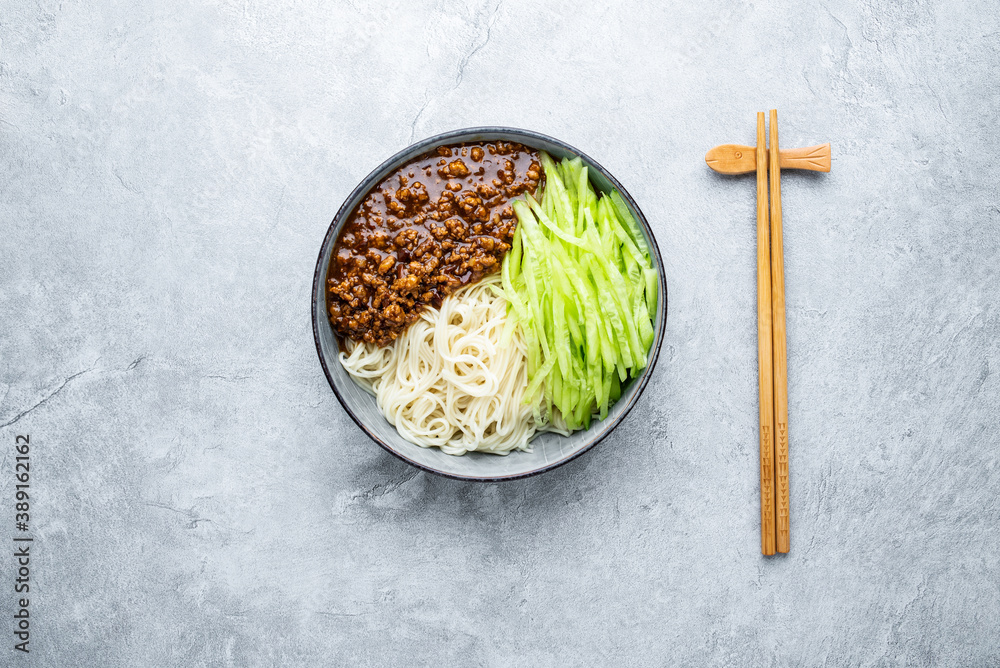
<point x="778" y="351"/>
<point x="764" y="343"/>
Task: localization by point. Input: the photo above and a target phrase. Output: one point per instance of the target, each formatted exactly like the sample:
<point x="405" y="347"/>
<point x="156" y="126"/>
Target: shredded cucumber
<point x="581" y="286"/>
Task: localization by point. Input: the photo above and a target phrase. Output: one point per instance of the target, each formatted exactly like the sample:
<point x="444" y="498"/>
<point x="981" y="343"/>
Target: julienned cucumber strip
<point x="626" y="216"/>
<point x="581" y="287"/>
<point x="651" y="292"/>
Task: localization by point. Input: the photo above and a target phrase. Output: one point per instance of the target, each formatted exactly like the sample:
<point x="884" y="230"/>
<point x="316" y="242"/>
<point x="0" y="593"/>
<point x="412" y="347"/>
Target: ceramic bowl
<point x="548" y="450"/>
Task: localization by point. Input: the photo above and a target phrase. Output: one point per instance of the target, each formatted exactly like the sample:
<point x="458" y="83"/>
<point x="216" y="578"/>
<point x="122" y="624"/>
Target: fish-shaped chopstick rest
<point x="736" y="159"/>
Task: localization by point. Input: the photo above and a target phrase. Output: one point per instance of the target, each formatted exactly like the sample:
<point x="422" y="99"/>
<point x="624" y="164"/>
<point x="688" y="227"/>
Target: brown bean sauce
<point x="439" y="222"/>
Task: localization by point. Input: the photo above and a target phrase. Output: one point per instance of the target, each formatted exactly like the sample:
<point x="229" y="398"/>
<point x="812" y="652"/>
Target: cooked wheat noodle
<point x="449" y="381"/>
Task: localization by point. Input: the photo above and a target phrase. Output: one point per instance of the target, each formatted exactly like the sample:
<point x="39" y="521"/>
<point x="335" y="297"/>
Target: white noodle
<point x="448" y="381"/>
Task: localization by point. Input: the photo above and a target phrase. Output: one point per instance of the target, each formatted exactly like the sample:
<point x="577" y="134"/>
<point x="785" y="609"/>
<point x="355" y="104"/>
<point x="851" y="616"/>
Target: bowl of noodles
<point x="488" y="304"/>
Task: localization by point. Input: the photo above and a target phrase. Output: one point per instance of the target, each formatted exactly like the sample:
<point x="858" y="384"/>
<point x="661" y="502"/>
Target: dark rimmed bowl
<point x="548" y="450"/>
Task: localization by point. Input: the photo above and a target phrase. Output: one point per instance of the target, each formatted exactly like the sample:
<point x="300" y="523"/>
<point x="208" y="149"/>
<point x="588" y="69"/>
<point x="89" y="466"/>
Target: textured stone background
<point x="167" y="173"/>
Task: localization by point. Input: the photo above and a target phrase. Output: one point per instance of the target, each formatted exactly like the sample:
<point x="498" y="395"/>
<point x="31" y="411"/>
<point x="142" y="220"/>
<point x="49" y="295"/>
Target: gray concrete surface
<point x="167" y="173"/>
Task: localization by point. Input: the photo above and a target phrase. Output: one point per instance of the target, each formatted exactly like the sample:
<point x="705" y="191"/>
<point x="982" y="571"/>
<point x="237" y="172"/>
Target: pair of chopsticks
<point x="767" y="161"/>
<point x="771" y="347"/>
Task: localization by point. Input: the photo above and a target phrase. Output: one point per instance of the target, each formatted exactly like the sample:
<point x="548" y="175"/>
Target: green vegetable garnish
<point x="580" y="283"/>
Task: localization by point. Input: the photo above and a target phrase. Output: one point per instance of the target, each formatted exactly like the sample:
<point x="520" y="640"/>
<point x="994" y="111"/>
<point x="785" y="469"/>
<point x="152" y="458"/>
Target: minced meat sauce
<point x="437" y="223"/>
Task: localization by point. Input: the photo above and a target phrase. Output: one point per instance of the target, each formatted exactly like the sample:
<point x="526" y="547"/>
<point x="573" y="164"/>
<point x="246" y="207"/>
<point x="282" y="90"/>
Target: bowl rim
<point x="417" y="148"/>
